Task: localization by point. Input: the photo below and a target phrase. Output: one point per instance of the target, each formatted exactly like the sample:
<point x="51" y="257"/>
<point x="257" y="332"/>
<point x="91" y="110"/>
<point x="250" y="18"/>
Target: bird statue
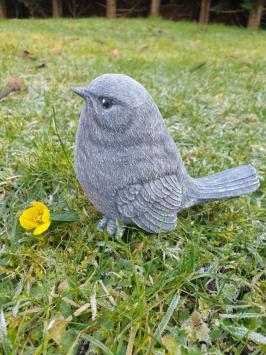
<point x="129" y="166"/>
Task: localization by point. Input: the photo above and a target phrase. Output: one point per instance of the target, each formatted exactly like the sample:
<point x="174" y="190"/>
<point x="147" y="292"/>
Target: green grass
<point x="146" y="287"/>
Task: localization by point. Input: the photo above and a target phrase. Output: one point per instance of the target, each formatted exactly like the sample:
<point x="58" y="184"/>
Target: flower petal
<point x="26" y="223"/>
<point x="46" y="216"/>
<point x="30" y="213"/>
<point x="39" y="205"/>
<point x="42" y="228"/>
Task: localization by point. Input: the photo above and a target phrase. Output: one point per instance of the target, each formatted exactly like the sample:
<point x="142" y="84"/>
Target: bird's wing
<point x="153" y="205"/>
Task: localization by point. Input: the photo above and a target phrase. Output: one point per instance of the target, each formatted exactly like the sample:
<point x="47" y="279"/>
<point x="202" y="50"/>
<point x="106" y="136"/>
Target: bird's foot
<point x="113" y="227"/>
<point x="102" y="224"/>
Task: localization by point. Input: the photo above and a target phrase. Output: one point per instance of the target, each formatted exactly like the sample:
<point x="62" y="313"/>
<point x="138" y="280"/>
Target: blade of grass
<point x="60" y="140"/>
<point x="162" y="325"/>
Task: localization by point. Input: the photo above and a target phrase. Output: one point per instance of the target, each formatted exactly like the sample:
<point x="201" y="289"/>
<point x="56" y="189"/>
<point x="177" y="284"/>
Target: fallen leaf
<point x="114" y="53"/>
<point x="41" y="66"/>
<point x="90" y="329"/>
<point x="29" y="55"/>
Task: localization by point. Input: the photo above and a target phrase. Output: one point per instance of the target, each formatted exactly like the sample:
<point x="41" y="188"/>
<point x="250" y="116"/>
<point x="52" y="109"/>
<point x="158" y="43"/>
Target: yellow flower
<point x="37" y="217"/>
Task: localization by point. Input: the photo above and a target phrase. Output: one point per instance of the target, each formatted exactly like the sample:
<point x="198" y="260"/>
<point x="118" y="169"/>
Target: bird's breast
<point x="103" y="169"/>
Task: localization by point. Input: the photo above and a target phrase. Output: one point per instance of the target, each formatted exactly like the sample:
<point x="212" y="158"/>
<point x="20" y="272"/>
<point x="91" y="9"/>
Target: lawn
<point x="198" y="289"/>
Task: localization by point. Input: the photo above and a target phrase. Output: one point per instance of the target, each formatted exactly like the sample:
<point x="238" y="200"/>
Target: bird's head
<point x="115" y="102"/>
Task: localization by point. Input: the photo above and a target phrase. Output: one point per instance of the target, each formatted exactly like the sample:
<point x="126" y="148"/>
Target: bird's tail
<point x="229" y="183"/>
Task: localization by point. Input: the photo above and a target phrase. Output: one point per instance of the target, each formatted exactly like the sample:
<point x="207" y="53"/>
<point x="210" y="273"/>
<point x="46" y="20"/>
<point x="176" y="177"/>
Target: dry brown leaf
<point x="114" y="53"/>
<point x="28" y="54"/>
<point x="41" y="66"/>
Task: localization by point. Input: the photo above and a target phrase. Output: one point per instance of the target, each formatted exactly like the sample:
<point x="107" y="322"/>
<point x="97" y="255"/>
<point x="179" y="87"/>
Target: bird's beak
<point x="83" y="92"/>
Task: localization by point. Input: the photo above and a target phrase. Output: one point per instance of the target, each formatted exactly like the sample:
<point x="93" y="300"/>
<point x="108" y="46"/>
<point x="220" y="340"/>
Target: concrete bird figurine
<point x="129" y="166"/>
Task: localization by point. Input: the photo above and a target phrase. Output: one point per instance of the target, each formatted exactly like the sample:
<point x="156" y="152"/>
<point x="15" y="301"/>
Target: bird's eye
<point x="106" y="102"/>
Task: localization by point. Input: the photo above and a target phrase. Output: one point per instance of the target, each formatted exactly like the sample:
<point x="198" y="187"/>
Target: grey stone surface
<point x="129" y="166"/>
